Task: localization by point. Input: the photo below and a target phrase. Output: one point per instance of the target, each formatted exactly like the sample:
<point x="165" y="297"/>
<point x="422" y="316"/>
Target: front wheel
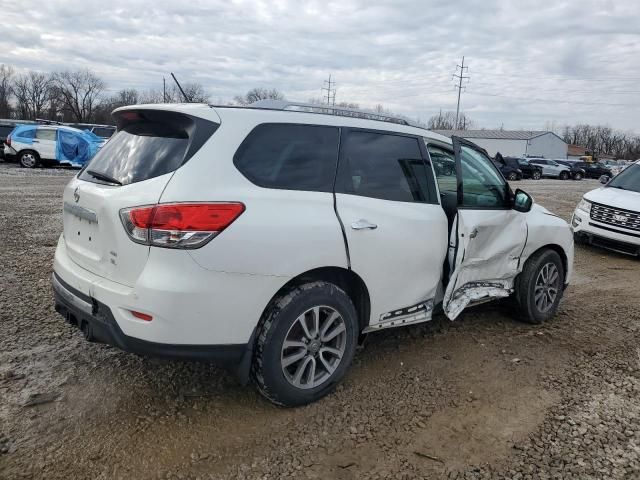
<point x="29" y="159"/>
<point x="512" y="177"/>
<point x="536" y="175"/>
<point x="307" y="339"/>
<point x="577" y="176"/>
<point x="540" y="286"/>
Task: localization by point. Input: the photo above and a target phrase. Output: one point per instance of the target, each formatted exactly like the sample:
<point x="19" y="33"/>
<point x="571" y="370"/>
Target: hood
<point x="614" y="197"/>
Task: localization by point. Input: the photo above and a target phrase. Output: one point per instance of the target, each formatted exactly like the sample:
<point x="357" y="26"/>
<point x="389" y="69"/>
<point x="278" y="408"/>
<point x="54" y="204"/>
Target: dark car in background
<point x="5" y="130"/>
<point x="594" y="169"/>
<point x="528" y="169"/>
<point x="576" y="172"/>
<point x="509" y="171"/>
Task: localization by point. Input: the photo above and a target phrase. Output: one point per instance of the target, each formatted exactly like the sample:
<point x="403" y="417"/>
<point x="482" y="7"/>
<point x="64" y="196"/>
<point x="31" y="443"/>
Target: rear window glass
<point x="148" y="144"/>
<point x="292" y="157"/>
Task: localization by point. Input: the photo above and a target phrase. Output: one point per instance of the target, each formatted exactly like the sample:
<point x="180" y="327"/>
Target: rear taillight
<point x="179" y="225"/>
<point x="8" y="140"/>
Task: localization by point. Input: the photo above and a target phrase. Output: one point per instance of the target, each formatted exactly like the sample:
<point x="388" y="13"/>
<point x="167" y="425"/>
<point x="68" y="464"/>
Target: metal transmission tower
<point x="331" y="92"/>
<point x="459" y="87"/>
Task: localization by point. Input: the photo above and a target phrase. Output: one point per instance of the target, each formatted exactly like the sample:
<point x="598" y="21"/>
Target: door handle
<point x="363" y="224"/>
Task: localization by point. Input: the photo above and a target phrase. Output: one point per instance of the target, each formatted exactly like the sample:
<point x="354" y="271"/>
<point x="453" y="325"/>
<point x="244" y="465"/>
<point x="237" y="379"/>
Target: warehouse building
<point x="514" y="143"/>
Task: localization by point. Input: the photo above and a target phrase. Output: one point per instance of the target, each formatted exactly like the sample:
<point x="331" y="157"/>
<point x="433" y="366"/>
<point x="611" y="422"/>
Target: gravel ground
<point x="481" y="397"/>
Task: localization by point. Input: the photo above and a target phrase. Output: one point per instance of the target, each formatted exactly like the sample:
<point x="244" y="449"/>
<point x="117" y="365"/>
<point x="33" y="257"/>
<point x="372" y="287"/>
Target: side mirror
<point x="605" y="179"/>
<point x="522" y="201"/>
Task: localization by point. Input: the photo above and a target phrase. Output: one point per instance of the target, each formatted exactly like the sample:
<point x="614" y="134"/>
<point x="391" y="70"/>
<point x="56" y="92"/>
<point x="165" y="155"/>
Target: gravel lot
<point x="481" y="397"/>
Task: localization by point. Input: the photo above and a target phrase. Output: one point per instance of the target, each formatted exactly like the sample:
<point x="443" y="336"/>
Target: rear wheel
<point x="564" y="175"/>
<point x="536" y="175"/>
<point x="512" y="176"/>
<point x="29" y="159"/>
<point x="577" y="176"/>
<point x="306" y="342"/>
<point x="539" y="287"/>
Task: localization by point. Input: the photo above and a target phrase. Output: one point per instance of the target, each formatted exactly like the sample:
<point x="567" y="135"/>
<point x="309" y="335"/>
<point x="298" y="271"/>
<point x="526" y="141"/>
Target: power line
<point x="459" y="86"/>
<point x="542" y="100"/>
<point x="331" y="92"/>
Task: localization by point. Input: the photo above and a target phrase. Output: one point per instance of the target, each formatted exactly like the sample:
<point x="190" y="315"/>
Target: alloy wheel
<point x="28" y="160"/>
<point x="546" y="287"/>
<point x="313" y="347"/>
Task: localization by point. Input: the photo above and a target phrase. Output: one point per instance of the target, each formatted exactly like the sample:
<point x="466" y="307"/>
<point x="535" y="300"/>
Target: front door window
<point x="482" y="184"/>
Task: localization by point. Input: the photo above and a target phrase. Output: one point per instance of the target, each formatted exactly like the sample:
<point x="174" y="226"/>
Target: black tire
<point x="536" y="175"/>
<point x="525" y="287"/>
<point x="512" y="177"/>
<point x="281" y="315"/>
<point x="29" y="159"/>
<point x="564" y="175"/>
<point x="577" y="176"/>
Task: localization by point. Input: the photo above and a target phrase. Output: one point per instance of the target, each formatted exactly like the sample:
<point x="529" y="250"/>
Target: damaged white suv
<point x="269" y="238"/>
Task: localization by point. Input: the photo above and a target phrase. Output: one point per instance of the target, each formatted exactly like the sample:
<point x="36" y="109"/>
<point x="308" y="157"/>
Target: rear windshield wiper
<point x="104" y="177"/>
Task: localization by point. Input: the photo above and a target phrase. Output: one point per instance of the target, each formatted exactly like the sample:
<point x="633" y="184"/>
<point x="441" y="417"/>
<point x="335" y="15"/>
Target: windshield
<point x="628" y="179"/>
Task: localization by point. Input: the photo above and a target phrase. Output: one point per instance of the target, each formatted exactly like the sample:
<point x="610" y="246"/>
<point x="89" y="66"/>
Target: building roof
<point x="495" y="134"/>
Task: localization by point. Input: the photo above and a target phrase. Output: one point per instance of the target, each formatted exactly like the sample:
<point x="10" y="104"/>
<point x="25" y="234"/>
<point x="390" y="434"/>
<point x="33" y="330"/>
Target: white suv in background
<point x="269" y="238"/>
<point x="551" y="168"/>
<point x="609" y="216"/>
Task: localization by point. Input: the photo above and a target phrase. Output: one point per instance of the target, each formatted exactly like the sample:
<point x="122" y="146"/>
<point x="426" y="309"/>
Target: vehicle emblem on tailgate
<point x="76" y="195"/>
<point x="620" y="218"/>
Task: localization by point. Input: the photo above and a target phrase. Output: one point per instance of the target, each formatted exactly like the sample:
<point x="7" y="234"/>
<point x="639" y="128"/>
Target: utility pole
<point x="459" y="86"/>
<point x="331" y="92"/>
<point x="164" y="90"/>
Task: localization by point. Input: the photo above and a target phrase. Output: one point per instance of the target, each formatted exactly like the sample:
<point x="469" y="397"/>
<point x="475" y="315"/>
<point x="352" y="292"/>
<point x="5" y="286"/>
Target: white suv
<point x="551" y="168"/>
<point x="268" y="239"/>
<point x="609" y="216"/>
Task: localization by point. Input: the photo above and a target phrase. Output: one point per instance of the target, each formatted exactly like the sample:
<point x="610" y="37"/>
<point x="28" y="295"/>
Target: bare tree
<point x="80" y="92"/>
<point x="447" y="121"/>
<point x="256" y="94"/>
<point x="599" y="139"/>
<point x="195" y="93"/>
<point x="6" y="90"/>
<point x="32" y="91"/>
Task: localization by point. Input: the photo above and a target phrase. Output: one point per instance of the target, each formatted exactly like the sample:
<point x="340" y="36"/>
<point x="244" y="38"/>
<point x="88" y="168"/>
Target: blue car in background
<point x="35" y="145"/>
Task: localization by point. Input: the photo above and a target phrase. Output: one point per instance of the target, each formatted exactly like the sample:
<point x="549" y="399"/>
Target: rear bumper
<point x="98" y="324"/>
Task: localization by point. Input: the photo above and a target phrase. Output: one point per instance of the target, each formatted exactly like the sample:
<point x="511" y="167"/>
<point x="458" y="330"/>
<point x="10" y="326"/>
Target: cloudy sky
<point x="573" y="61"/>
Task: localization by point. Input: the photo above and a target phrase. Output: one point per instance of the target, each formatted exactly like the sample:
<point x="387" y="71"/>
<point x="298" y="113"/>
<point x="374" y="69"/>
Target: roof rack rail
<point x="43" y="121"/>
<point x="333" y="110"/>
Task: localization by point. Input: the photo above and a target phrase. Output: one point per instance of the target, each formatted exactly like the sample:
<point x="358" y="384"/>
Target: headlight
<point x="585" y="205"/>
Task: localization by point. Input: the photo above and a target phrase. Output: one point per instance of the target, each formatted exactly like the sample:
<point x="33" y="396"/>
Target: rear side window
<point x="25" y="132"/>
<point x="46" y="134"/>
<point x="103" y="132"/>
<point x="291" y="157"/>
<point x="149" y="143"/>
<point x="385" y="166"/>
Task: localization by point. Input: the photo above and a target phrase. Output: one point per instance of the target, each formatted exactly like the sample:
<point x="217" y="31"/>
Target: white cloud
<point x="568" y="62"/>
